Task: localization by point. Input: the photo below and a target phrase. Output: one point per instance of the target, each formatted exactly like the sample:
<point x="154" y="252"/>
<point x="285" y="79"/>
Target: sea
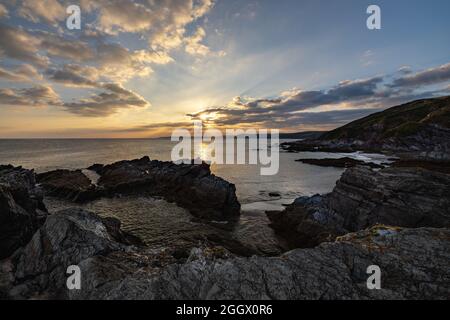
<point x="160" y="223"/>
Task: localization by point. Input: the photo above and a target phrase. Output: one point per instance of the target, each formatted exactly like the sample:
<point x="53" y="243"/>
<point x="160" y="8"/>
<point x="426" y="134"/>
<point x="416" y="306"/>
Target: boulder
<point x="67" y="238"/>
<point x="67" y="184"/>
<point x="405" y="197"/>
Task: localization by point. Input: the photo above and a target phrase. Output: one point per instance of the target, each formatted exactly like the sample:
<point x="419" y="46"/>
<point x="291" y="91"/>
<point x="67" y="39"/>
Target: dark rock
<point x="345" y="162"/>
<point x="405" y="197"/>
<point x="66" y="238"/>
<point x="96" y="168"/>
<point x="439" y="166"/>
<point x="274" y="194"/>
<point x="67" y="184"/>
<point x="414" y="265"/>
<point x="317" y="146"/>
<point x="22" y="210"/>
<point x="113" y="226"/>
<point x="307" y="222"/>
<point x="191" y="186"/>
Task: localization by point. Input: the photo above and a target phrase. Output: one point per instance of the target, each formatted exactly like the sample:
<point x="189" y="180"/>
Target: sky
<point x="143" y="68"/>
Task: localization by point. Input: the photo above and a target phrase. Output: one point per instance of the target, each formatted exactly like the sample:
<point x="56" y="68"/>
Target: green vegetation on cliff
<point x="400" y="121"/>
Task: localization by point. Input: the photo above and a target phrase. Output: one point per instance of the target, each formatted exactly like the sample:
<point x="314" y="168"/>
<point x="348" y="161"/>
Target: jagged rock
<point x="307" y="222"/>
<point x="66" y="238"/>
<point x="405" y="197"/>
<point x="22" y="210"/>
<point x="413" y="262"/>
<point x="414" y="265"/>
<point x="70" y="237"/>
<point x="190" y="186"/>
<point x="345" y="162"/>
<point x="67" y="184"/>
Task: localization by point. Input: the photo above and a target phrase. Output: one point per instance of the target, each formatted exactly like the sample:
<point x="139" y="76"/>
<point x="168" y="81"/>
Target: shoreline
<point x="318" y="223"/>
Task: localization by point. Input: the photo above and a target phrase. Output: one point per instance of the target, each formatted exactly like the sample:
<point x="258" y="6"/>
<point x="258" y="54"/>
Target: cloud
<point x="15" y="43"/>
<point x="164" y="22"/>
<point x="18" y="44"/>
<point x="75" y="75"/>
<point x="120" y="64"/>
<point x="35" y="96"/>
<point x="342" y="103"/>
<point x="193" y="43"/>
<point x="106" y="103"/>
<point x="427" y="77"/>
<point x="58" y="46"/>
<point x="23" y="73"/>
<point x="49" y="11"/>
<point x="3" y="11"/>
<point x="294" y="101"/>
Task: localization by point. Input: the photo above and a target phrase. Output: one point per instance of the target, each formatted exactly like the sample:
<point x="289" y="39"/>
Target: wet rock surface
<point x="414" y="264"/>
<point x="405" y="197"/>
<point x="193" y="187"/>
<point x="21" y="208"/>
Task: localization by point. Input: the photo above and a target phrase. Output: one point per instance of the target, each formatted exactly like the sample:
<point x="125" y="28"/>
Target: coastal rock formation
<point x="21" y="208"/>
<point x="405" y="197"/>
<point x="416" y="130"/>
<point x="193" y="187"/>
<point x="307" y="222"/>
<point x="65" y="239"/>
<point x="70" y="185"/>
<point x="414" y="264"/>
<point x="344" y="162"/>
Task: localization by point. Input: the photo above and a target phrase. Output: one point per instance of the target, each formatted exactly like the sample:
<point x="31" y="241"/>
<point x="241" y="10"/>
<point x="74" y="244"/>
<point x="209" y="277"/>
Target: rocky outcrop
<point x="21" y="208"/>
<point x="413" y="262"/>
<point x="438" y="166"/>
<point x="414" y="265"/>
<point x="70" y="237"/>
<point x="415" y="130"/>
<point x="344" y="162"/>
<point x="193" y="187"/>
<point x="307" y="222"/>
<point x="67" y="184"/>
<point x="405" y="197"/>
